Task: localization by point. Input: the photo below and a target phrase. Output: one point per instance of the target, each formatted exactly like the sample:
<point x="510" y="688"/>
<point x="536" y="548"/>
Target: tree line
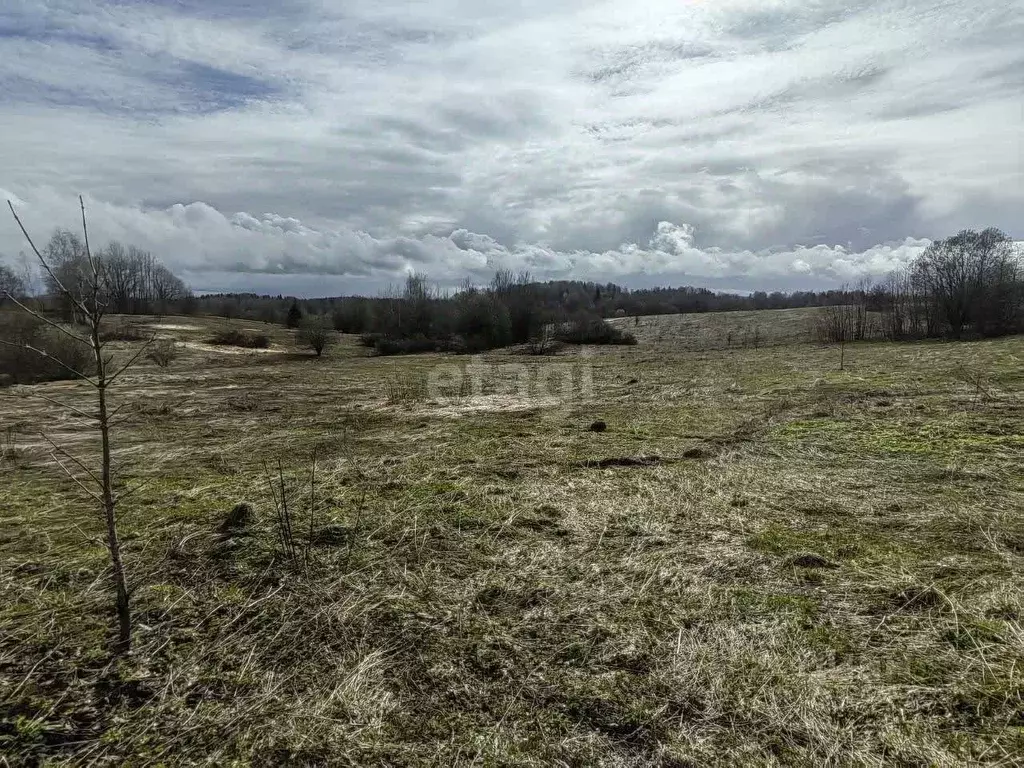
<point x="131" y="280"/>
<point x="511" y="309"/>
<point x="970" y="284"/>
<point x="358" y="314"/>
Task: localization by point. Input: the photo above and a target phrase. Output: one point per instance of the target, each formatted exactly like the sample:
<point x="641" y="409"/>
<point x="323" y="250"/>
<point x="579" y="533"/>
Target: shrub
<point x="405" y="390"/>
<point x="593" y="330"/>
<point x="122" y="331"/>
<point x="235" y="338"/>
<point x="543" y="342"/>
<point x="840" y="323"/>
<point x="163" y="353"/>
<point x="9" y="450"/>
<point x="315" y="332"/>
<point x="21" y="365"/>
<point x="388" y="345"/>
<point x="10" y="283"/>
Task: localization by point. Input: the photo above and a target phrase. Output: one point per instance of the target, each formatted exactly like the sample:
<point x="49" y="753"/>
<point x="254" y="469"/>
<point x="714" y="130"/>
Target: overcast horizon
<point x="316" y="148"/>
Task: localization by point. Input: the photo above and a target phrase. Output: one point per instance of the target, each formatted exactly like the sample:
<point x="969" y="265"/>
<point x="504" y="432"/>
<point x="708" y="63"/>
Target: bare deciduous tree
<point x="969" y="284"/>
<point x="135" y="282"/>
<point x="315" y="332"/>
<point x="75" y="276"/>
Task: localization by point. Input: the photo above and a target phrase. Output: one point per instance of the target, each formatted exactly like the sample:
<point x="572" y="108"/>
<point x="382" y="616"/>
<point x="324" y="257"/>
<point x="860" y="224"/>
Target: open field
<point x="763" y="560"/>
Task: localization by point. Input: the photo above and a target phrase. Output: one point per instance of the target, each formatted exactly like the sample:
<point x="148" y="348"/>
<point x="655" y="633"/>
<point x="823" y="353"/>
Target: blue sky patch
<point x="206" y="89"/>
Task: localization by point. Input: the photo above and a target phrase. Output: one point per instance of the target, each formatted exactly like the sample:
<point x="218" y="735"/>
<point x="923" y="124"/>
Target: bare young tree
<point x="85" y="296"/>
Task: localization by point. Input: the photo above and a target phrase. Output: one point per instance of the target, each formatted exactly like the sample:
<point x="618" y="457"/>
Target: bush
<point x="315" y="332"/>
<point x="409" y="389"/>
<point x="543" y="342"/>
<point x="163" y="353"/>
<point x="593" y="330"/>
<point x="19" y="365"/>
<point x="388" y="345"/>
<point x="413" y="346"/>
<point x="234" y="338"/>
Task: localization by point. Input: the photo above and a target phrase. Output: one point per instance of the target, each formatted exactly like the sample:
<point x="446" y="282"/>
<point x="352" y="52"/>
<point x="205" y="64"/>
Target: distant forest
<point x="968" y="285"/>
<point x="568" y="296"/>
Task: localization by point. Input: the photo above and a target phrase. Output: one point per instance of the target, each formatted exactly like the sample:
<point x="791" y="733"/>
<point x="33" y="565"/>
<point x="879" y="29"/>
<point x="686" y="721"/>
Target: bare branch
<point x="73" y="409"/>
<point x="78" y="482"/>
<point x="99" y="307"/>
<point x="131" y="361"/>
<point x="116" y="417"/>
<point x="128" y="493"/>
<point x="25" y="232"/>
<point x="72" y="457"/>
<point x="85" y="231"/>
<point x="117" y="410"/>
<point x="42" y="261"/>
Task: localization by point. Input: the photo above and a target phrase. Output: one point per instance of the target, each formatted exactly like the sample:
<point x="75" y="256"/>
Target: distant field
<point x="722" y="330"/>
<point x="763" y="560"/>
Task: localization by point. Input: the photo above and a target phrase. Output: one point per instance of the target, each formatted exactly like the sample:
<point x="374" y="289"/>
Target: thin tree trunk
<point x="124" y="614"/>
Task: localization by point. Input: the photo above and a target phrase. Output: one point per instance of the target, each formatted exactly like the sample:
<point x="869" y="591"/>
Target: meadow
<point x="762" y="560"/>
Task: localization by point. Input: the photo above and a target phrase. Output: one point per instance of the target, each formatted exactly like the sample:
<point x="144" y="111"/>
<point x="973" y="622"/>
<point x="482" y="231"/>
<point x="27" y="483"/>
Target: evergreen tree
<point x="294" y="315"/>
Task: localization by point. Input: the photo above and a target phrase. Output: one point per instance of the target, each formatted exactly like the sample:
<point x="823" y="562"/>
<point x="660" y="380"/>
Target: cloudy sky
<point x="329" y="146"/>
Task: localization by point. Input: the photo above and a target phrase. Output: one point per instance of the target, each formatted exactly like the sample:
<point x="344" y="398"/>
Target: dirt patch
<point x="808" y="560"/>
<point x="224" y="350"/>
<point x="644" y="461"/>
<point x="625" y="461"/>
<point x="173" y="327"/>
<point x="919" y="598"/>
<point x="457" y="407"/>
<point x="697" y="453"/>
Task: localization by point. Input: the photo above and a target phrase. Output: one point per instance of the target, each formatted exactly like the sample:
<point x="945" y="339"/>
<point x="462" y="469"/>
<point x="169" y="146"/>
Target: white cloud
<point x="453" y="135"/>
<point x="200" y="239"/>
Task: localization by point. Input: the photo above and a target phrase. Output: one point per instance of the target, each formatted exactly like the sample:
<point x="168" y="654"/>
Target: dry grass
<point x="486" y="587"/>
<point x="722" y="330"/>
